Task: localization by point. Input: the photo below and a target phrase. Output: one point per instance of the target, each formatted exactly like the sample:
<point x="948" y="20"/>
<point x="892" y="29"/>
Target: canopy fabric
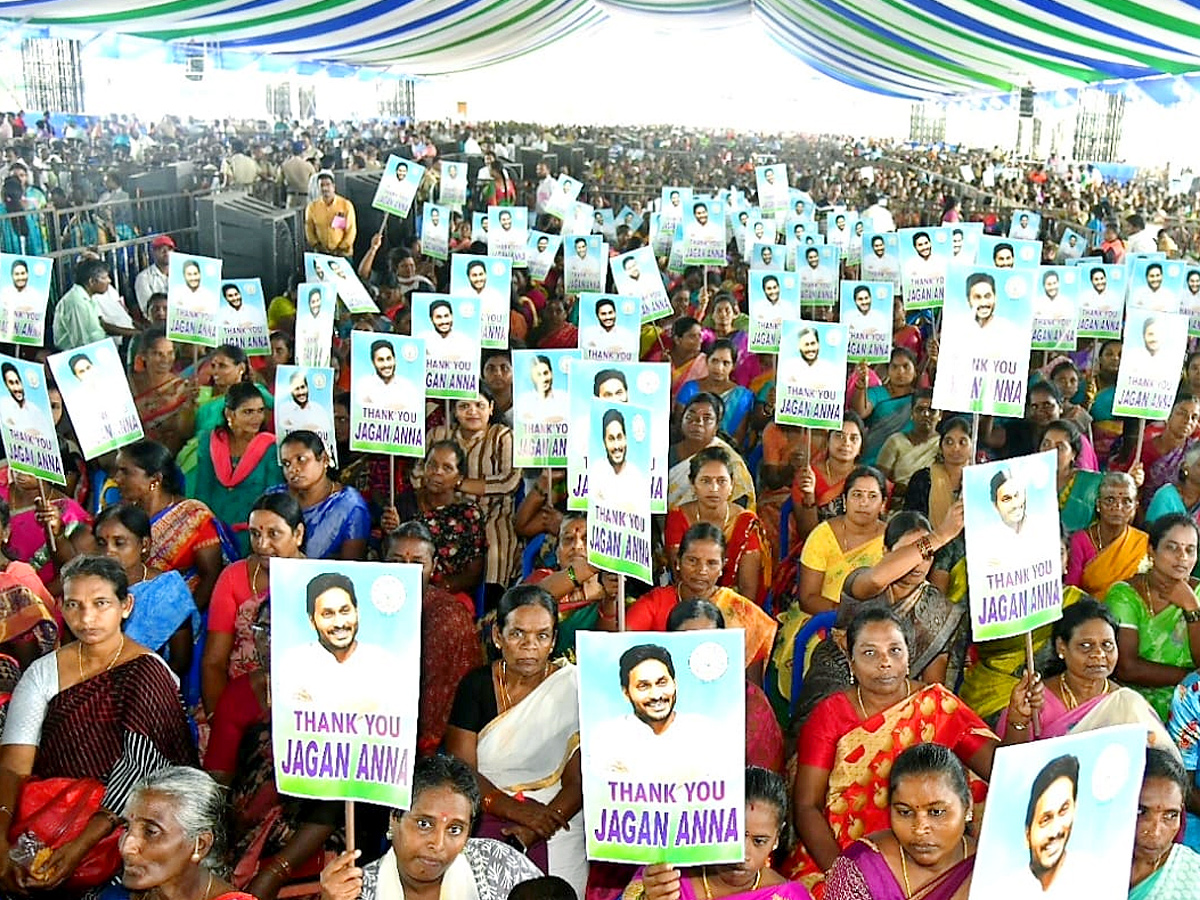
<point x="905" y="48"/>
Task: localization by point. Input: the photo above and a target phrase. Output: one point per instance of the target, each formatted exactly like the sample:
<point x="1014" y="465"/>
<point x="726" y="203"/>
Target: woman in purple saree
<point x="752" y="879"/>
<point x="927" y="853"/>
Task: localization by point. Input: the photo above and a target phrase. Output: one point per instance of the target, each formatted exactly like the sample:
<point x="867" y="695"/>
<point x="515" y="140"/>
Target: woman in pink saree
<point x="1077" y="693"/>
<point x="927" y="853"/>
<point x="751" y="879"/>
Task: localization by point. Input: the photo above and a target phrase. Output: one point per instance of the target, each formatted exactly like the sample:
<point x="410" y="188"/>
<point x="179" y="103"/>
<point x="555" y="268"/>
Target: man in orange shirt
<point x="329" y="221"/>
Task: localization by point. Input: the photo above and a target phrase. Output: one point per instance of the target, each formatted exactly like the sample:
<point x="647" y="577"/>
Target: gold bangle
<point x="1017" y="726"/>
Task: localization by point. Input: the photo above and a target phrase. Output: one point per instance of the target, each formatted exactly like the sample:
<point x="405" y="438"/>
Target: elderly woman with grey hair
<point x="1110" y="549"/>
<point x="432" y="851"/>
<point x="174" y="843"/>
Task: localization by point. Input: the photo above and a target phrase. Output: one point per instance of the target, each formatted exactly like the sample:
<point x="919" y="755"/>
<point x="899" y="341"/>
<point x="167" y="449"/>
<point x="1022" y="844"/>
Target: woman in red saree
<point x="165" y="402"/>
<point x="113" y="690"/>
<point x="852" y="739"/>
<point x="933" y="861"/>
<point x="747" y="555"/>
<point x="556" y="333"/>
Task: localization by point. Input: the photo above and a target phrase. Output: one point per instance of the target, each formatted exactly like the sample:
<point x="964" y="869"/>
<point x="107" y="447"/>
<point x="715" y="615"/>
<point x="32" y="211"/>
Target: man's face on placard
<point x="982" y="300"/>
<point x="766" y="255"/>
<point x="769" y="175"/>
<point x="613" y="389"/>
<point x="542" y="244"/>
<point x="435" y="216"/>
<point x="771" y="289"/>
<point x="300" y="392"/>
<point x="813" y="258"/>
<point x="384" y="361"/>
<point x="402" y="172"/>
<point x="581" y="249"/>
<point x="1193" y="282"/>
<point x="614" y="443"/>
<point x="1151" y="337"/>
<point x="12" y="381"/>
<point x="758" y="229"/>
<point x="878" y="246"/>
<point x="477" y="276"/>
<point x="923" y="246"/>
<point x="1050" y="830"/>
<point x="1099" y="281"/>
<point x="810" y="347"/>
<point x="1010" y="503"/>
<point x="335" y="618"/>
<point x="1154" y="277"/>
<point x="701" y="214"/>
<point x="606" y="314"/>
<point x="1003" y="257"/>
<point x="1024" y="221"/>
<point x="191" y="275"/>
<point x="1050" y="285"/>
<point x="506" y="221"/>
<point x="956" y="242"/>
<point x="232" y="296"/>
<point x="443" y="320"/>
<point x="20" y="276"/>
<point x="632" y="269"/>
<point x="651" y="691"/>
<point x="862" y="299"/>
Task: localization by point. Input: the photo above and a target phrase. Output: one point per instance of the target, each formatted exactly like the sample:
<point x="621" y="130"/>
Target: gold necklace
<point x="1070" y="701"/>
<point x="504" y="687"/>
<point x="904" y="866"/>
<point x="112" y="662"/>
<point x="254" y="576"/>
<point x="858" y="691"/>
<point x="708" y="891"/>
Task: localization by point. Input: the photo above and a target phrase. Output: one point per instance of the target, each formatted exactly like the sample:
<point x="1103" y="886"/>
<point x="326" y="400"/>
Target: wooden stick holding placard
<point x="620" y="602"/>
<point x="392" y="480"/>
<point x="350" y="825"/>
<point x="974" y="437"/>
<point x="46" y="503"/>
<point x="1031" y="668"/>
<point x="383" y="224"/>
<point x="1137" y="452"/>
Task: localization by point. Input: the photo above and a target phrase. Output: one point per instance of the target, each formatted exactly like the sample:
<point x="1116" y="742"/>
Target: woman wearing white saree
<point x="516" y="722"/>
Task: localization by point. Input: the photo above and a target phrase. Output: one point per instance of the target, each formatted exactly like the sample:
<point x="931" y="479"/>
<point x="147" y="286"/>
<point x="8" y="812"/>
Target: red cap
<point x="163" y="240"/>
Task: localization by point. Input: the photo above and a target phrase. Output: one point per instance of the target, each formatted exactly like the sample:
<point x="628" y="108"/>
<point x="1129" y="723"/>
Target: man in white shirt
<point x="233" y="312"/>
<point x="382" y="389"/>
<point x="154" y="279"/>
<point x="337" y="671"/>
<point x="615" y="483"/>
<point x="446" y="343"/>
<point x="585" y="271"/>
<point x="301" y="414"/>
<point x="190" y="296"/>
<point x="1152" y="296"/>
<point x="1023" y="230"/>
<point x="810" y="372"/>
<point x="608" y="341"/>
<point x="545" y="188"/>
<point x="17" y="412"/>
<point x="1144" y="238"/>
<point x="878" y="214"/>
<point x="655" y="742"/>
<point x="1054" y="872"/>
<point x="878" y="266"/>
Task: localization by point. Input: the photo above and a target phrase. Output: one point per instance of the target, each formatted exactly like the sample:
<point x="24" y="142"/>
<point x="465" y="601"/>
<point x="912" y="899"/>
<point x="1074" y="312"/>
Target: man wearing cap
<point x="329" y="222"/>
<point x="153" y="278"/>
<point x="295" y="173"/>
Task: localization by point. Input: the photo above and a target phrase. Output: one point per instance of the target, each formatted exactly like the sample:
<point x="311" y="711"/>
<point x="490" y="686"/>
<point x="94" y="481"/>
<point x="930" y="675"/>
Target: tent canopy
<point x="903" y="48"/>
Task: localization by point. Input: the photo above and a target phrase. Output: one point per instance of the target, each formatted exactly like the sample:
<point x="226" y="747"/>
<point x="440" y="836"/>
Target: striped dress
<point x="490" y="457"/>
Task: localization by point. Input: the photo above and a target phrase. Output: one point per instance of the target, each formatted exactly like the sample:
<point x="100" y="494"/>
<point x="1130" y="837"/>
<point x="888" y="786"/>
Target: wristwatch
<point x="1191" y="616"/>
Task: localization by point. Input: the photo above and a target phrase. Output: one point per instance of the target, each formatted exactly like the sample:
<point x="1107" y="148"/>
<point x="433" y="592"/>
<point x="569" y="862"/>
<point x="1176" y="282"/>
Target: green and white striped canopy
<point x="907" y="48"/>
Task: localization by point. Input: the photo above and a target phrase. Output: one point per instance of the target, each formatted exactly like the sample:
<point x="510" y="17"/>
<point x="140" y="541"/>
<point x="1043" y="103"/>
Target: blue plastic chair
<point x="530" y="555"/>
<point x="785" y="531"/>
<point x="818" y="624"/>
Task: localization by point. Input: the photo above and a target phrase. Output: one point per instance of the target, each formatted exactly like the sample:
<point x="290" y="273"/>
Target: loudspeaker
<point x="1026" y="109"/>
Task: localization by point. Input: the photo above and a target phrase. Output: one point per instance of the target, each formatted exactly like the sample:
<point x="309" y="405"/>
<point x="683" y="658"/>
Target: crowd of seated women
<point x="135" y="627"/>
